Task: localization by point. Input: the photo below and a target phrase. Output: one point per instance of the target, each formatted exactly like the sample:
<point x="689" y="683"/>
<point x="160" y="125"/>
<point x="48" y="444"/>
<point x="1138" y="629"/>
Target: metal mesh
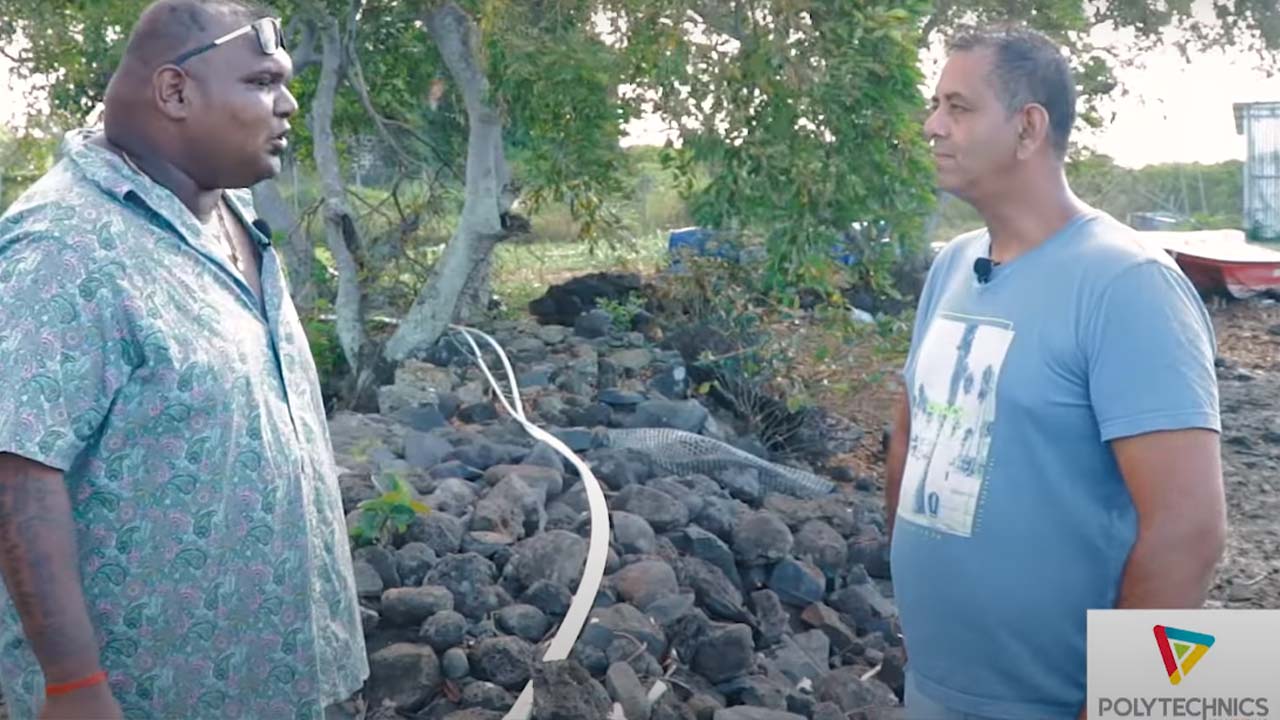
<point x="682" y="453"/>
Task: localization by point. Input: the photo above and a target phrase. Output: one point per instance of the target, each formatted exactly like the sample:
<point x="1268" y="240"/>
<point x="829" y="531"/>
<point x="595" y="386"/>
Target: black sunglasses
<point x="270" y="39"/>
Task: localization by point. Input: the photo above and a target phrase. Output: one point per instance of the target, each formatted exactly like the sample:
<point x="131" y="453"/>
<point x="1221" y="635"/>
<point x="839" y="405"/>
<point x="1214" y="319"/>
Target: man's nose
<point x="934" y="125"/>
<point x="286" y="103"/>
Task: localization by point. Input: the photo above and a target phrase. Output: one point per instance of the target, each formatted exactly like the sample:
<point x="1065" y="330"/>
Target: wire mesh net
<point x="681" y="453"/>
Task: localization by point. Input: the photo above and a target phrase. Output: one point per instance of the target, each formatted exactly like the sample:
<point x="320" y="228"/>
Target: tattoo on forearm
<point x="38" y="559"/>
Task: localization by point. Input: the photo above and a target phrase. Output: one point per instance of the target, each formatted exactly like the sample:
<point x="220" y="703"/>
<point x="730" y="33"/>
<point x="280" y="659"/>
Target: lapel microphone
<point x="982" y="268"/>
<point x="261" y="226"/>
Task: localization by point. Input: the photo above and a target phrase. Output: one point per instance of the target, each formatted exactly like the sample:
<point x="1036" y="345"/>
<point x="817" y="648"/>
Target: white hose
<point x="598" y="545"/>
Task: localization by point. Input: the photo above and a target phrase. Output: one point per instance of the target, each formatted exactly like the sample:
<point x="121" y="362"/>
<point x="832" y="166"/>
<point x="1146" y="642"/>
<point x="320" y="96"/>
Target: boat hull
<point x="1239" y="280"/>
<point x="1221" y="262"/>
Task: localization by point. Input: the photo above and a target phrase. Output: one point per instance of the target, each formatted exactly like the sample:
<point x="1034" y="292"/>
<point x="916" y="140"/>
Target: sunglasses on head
<point x="268" y="31"/>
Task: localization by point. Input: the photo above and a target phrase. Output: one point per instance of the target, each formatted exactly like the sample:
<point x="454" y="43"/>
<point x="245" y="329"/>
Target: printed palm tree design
<point x="958" y="374"/>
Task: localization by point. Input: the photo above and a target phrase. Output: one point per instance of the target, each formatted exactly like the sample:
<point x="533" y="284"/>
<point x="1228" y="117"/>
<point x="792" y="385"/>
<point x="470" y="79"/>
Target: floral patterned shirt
<point x="187" y="418"/>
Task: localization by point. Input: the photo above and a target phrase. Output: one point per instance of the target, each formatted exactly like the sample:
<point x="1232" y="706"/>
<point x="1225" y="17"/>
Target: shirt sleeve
<point x="1151" y="350"/>
<point x="64" y="350"/>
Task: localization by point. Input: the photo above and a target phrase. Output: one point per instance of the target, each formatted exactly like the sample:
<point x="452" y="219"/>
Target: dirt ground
<point x="1249" y="382"/>
<point x="1248" y="336"/>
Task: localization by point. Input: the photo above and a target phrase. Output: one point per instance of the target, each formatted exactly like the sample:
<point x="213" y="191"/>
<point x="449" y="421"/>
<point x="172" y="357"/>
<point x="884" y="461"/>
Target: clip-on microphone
<point x="982" y="268"/>
<point x="261" y="226"/>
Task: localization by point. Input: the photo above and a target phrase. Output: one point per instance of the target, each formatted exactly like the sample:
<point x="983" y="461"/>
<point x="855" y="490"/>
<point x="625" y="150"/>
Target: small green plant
<point x="388" y="514"/>
<point x="622" y="311"/>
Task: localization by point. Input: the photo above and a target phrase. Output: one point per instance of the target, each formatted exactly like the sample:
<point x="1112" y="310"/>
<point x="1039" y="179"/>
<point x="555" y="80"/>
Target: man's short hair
<point x="172" y="25"/>
<point x="1028" y="68"/>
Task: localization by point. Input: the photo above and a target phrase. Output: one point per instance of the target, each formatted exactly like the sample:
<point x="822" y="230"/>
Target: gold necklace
<point x="129" y="161"/>
<point x="226" y="234"/>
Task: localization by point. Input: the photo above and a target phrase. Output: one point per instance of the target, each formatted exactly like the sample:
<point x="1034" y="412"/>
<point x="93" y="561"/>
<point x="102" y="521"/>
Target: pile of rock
<point x="721" y="601"/>
<point x="562" y="304"/>
<point x="591" y="375"/>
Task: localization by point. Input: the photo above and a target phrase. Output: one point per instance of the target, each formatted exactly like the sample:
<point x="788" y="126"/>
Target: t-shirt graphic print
<point x="953" y="408"/>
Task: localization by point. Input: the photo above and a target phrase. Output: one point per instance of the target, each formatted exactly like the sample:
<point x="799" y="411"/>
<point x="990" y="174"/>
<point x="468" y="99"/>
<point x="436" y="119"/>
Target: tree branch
<point x="356" y="77"/>
<point x="726" y="22"/>
<point x="478" y="229"/>
<point x="302" y="41"/>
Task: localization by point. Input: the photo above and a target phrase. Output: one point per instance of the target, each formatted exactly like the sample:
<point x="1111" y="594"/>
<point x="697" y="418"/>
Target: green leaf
<point x="371" y="523"/>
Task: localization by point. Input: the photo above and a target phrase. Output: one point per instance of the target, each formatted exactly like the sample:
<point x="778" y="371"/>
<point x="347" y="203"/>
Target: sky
<point x="1180" y="111"/>
<point x="1176" y="111"/>
<point x="1172" y="110"/>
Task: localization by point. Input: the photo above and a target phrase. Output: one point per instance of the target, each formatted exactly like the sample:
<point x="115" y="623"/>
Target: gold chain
<point x="129" y="161"/>
<point x="226" y="233"/>
<point x="222" y="223"/>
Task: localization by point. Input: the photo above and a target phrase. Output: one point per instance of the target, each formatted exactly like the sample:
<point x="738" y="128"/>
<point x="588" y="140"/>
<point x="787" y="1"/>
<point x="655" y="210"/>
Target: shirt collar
<point x="114" y="176"/>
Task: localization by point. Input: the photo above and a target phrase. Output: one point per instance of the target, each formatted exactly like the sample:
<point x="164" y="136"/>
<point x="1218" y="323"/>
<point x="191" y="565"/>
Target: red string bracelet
<point x="64" y="688"/>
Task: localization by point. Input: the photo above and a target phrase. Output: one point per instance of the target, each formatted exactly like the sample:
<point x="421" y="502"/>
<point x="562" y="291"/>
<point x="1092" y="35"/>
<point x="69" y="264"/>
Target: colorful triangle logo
<point x="1180" y="650"/>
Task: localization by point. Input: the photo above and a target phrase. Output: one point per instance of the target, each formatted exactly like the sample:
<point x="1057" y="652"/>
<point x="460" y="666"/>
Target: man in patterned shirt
<point x="172" y="541"/>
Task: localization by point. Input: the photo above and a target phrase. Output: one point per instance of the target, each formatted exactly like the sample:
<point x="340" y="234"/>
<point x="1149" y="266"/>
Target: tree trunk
<point x="296" y="251"/>
<point x="480" y="226"/>
<point x="474" y="301"/>
<point x="339" y="224"/>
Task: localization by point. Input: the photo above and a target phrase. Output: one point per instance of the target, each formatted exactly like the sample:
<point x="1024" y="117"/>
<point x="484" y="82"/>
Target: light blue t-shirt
<point x="1013" y="517"/>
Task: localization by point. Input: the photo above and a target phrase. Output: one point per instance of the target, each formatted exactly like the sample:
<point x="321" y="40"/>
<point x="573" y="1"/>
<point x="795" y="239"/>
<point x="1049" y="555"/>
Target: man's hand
<point x="94" y="702"/>
<point x="1175" y="480"/>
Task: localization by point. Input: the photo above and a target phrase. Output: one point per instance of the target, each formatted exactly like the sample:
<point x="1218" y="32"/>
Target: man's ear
<point x="171" y="87"/>
<point x="1033" y="130"/>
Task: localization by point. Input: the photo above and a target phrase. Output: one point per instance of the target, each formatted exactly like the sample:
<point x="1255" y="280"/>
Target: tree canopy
<point x="797" y="123"/>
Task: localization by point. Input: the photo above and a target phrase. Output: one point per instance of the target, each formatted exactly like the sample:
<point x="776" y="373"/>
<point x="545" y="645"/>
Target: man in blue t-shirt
<point x="1057" y="447"/>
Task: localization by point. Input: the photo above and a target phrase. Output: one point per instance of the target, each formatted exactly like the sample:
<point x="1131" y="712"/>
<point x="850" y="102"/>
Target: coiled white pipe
<point x="598" y="545"/>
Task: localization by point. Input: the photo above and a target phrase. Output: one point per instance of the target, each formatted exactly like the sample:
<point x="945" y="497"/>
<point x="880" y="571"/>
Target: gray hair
<point x="1028" y="68"/>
